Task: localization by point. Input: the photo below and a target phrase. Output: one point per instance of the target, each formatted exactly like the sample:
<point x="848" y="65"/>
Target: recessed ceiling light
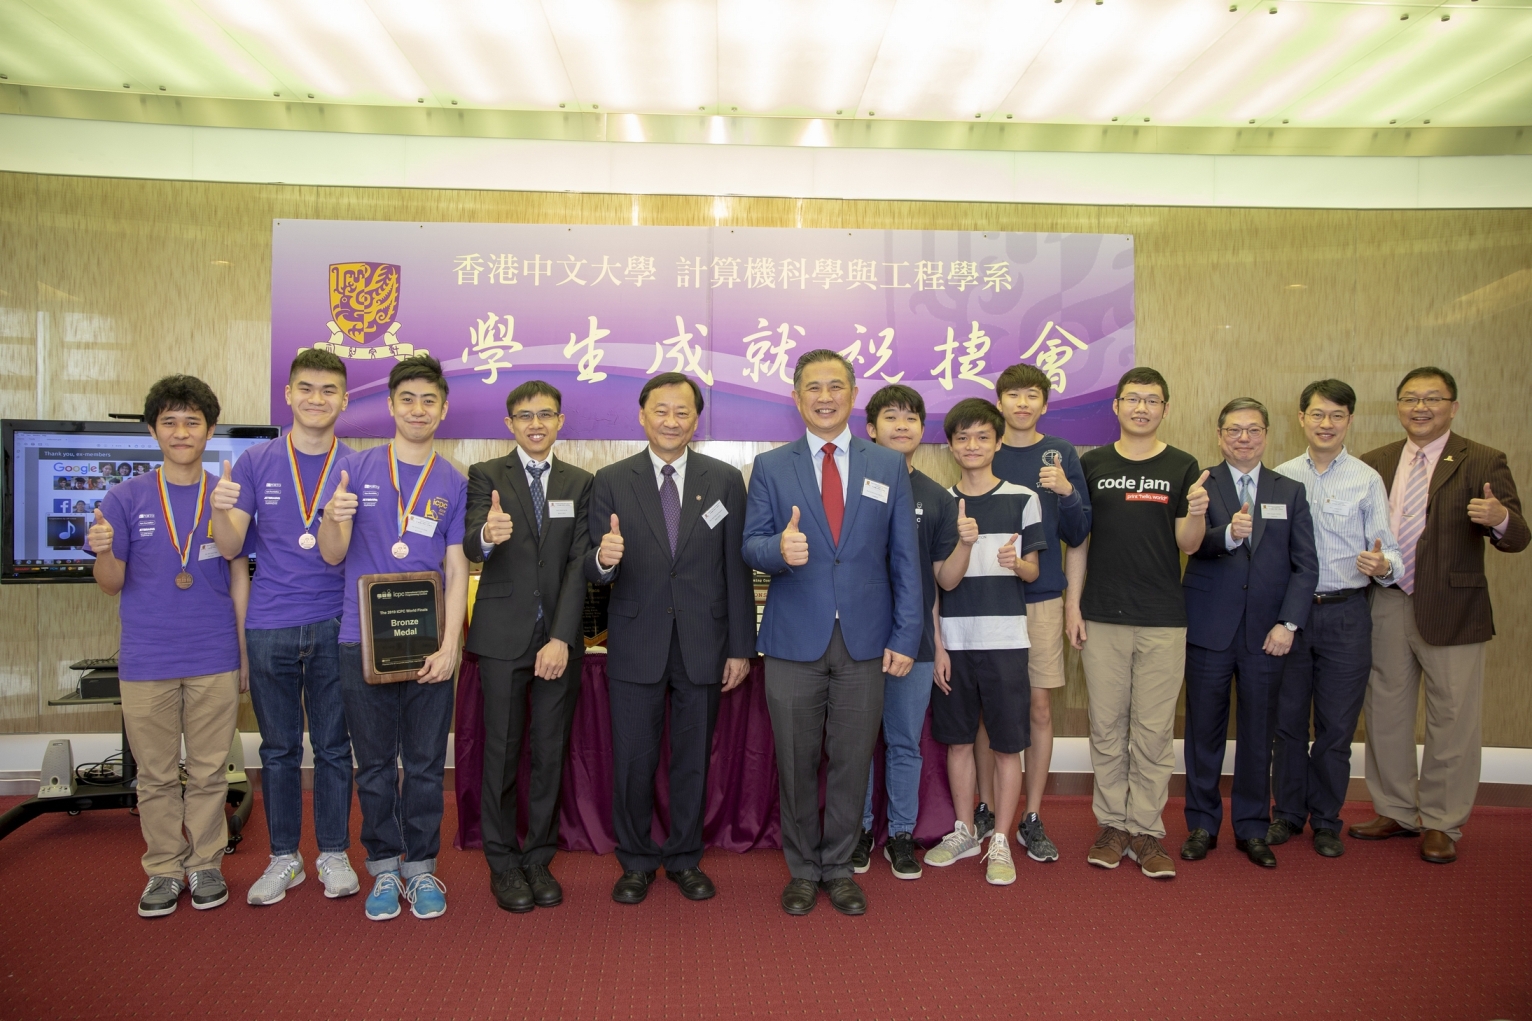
<point x="700" y="107"/>
<point x="1114" y="118"/>
<point x="126" y="85"/>
<point x="977" y="116"/>
<point x="311" y="95"/>
<point x="1404" y="17"/>
<point x="1252" y="120"/>
<point x="421" y="100"/>
<point x="561" y="106"/>
<point x="1393" y="120"/>
<point x="454" y="102"/>
<point x="872" y="113"/>
<point x="1008" y="116"/>
<point x="274" y="93"/>
<point x="595" y="106"/>
<point x="1446" y="17"/>
<point x="1428" y="120"/>
<point x="1146" y="120"/>
<point x="734" y="109"/>
<point x="5" y="76"/>
<point x="1271" y="10"/>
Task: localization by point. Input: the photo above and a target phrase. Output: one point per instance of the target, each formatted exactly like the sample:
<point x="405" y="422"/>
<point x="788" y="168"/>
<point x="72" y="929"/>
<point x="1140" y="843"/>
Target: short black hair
<point x="318" y="361"/>
<point x="1143" y="375"/>
<point x="181" y="393"/>
<point x="1333" y="390"/>
<point x="534" y="388"/>
<point x="822" y="354"/>
<point x="670" y="379"/>
<point x="1022" y="376"/>
<point x="896" y="395"/>
<point x="421" y="366"/>
<point x="1244" y="404"/>
<point x="972" y="411"/>
<point x="1425" y="372"/>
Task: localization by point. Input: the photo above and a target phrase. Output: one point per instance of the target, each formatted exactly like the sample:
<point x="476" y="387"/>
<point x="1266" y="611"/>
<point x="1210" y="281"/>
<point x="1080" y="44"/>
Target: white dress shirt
<point x="526" y="459"/>
<point x="1230" y="543"/>
<point x="842" y="460"/>
<point x="679" y="464"/>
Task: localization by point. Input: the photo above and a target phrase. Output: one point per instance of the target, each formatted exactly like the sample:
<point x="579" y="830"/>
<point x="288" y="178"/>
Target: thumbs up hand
<point x="1197" y="497"/>
<point x="226" y="492"/>
<point x="99" y="537"/>
<point x="1007" y="554"/>
<point x="795" y="545"/>
<point x="1487" y="511"/>
<point x="342" y="505"/>
<point x="1242" y="524"/>
<point x="967" y="527"/>
<point x="610" y="553"/>
<point x="497" y="526"/>
<point x="1372" y="562"/>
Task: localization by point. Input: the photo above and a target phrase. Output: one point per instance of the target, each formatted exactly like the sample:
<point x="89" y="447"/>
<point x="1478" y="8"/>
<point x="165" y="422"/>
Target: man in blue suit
<point x="831" y="519"/>
<point x="1248" y="590"/>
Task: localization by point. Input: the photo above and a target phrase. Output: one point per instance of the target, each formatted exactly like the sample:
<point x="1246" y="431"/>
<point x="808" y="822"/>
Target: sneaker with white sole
<point x="861" y="855"/>
<point x="283" y="872"/>
<point x="427" y="896"/>
<point x="337" y="875"/>
<point x="961" y="843"/>
<point x="983" y="821"/>
<point x="160" y="896"/>
<point x="1001" y="870"/>
<point x="383" y="901"/>
<point x="1030" y="835"/>
<point x="208" y="890"/>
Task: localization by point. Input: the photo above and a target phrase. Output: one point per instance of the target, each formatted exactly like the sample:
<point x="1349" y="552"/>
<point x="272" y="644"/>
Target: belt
<point x="1336" y="597"/>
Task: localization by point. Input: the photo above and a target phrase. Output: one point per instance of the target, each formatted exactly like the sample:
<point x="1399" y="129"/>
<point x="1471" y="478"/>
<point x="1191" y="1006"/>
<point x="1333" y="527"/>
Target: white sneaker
<point x="961" y="843"/>
<point x="1001" y="870"/>
<point x="337" y="875"/>
<point x="283" y="873"/>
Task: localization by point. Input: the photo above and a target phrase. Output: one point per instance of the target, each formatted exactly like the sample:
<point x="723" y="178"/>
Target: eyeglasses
<point x="1234" y="432"/>
<point x="1321" y="417"/>
<point x="1431" y="403"/>
<point x="1134" y="400"/>
<point x="528" y="417"/>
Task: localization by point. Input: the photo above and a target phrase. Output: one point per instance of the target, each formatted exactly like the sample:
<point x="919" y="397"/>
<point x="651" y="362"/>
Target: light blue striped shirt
<point x="1350" y="510"/>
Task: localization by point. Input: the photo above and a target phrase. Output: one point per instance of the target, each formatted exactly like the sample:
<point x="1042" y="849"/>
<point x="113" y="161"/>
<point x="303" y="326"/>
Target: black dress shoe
<point x="1328" y="843"/>
<point x="546" y="890"/>
<point x="799" y="896"/>
<point x="1198" y="843"/>
<point x="1281" y="831"/>
<point x="511" y="891"/>
<point x="694" y="883"/>
<point x="632" y="888"/>
<point x="845" y="896"/>
<point x="1255" y="848"/>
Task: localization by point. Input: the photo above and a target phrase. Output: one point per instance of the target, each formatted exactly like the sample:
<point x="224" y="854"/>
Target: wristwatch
<point x="1288" y="624"/>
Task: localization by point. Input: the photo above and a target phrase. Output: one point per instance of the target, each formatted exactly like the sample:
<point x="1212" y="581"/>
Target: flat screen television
<point x="56" y="473"/>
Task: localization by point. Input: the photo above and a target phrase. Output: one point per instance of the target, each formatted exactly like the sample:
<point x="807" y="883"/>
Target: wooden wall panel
<point x="108" y="284"/>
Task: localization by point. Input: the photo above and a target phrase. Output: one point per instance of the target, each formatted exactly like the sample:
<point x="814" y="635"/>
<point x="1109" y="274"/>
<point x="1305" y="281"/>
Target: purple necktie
<point x="670" y="503"/>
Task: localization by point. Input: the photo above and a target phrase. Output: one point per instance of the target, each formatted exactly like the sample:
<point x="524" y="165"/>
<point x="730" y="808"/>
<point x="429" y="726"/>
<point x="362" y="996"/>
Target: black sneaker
<point x="983" y="821"/>
<point x="861" y="858"/>
<point x="900" y="854"/>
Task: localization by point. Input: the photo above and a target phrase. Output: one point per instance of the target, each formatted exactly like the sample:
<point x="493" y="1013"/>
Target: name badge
<point x="561" y="508"/>
<point x="420" y="525"/>
<point x="208" y="551"/>
<point x="1274" y="511"/>
<point x="874" y="490"/>
<point x="715" y="514"/>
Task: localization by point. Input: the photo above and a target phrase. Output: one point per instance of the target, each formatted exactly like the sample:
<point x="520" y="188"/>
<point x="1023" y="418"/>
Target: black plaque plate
<point x="401" y="623"/>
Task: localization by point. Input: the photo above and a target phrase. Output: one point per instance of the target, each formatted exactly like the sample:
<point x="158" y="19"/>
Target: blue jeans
<point x="295" y="669"/>
<point x="905" y="700"/>
<point x="405" y="722"/>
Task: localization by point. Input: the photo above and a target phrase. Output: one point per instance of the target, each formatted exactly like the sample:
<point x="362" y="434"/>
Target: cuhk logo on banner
<point x="364" y="301"/>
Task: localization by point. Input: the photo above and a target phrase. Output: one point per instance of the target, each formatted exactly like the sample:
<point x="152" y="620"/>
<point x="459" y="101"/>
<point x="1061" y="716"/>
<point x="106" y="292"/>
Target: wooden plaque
<point x="401" y="617"/>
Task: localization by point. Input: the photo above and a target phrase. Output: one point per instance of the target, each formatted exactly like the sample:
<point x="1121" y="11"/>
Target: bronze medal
<point x="307" y="540"/>
<point x="183" y="580"/>
<point x="401" y="550"/>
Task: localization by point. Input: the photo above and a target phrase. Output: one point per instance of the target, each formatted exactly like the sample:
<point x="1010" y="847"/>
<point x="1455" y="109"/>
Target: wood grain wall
<point x="107" y="284"/>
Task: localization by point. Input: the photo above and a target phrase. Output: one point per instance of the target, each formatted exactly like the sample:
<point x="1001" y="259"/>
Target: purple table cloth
<point x="742" y="776"/>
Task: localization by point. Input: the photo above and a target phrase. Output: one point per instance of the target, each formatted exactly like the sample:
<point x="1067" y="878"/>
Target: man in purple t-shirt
<point x="180" y="660"/>
<point x="393" y="509"/>
<point x="270" y="500"/>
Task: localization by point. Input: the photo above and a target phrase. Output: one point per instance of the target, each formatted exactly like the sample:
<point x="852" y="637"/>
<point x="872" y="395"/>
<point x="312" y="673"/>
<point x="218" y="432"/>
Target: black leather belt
<point x="1336" y="597"/>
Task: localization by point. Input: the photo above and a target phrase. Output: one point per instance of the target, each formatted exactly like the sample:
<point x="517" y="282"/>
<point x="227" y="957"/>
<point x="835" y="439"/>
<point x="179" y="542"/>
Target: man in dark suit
<point x="681" y="621"/>
<point x="1248" y="590"/>
<point x="832" y="520"/>
<point x="526" y="524"/>
<point x="1446" y="496"/>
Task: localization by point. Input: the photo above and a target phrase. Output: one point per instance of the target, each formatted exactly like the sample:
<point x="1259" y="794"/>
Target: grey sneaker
<point x="284" y="872"/>
<point x="1031" y="836"/>
<point x="861" y="855"/>
<point x="983" y="821"/>
<point x="337" y="875"/>
<point x="959" y="844"/>
<point x="160" y="896"/>
<point x="208" y="889"/>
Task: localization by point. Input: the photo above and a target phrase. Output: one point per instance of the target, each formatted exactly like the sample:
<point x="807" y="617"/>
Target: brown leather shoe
<point x="1438" y="848"/>
<point x="1381" y="828"/>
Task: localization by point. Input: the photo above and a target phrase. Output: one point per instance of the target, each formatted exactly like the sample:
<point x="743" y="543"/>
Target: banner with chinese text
<point x="598" y="310"/>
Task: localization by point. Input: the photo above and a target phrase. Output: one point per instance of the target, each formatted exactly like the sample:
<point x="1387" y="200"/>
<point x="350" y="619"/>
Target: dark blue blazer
<point x="1271" y="579"/>
<point x="872" y="578"/>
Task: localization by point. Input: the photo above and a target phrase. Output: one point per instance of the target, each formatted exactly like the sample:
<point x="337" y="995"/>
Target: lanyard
<point x="307" y="508"/>
<point x="405" y="513"/>
<point x="170" y="516"/>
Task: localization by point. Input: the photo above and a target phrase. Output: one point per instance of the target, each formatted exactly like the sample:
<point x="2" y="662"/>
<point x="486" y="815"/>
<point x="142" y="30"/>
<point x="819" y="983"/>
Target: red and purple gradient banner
<point x="598" y="310"/>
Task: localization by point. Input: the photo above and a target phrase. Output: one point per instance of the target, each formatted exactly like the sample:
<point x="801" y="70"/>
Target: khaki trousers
<point x="1133" y="677"/>
<point x="183" y="831"/>
<point x="1441" y="795"/>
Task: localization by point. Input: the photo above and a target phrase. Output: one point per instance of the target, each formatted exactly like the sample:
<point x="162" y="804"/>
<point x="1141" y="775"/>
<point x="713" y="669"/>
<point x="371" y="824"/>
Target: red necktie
<point x="829" y="492"/>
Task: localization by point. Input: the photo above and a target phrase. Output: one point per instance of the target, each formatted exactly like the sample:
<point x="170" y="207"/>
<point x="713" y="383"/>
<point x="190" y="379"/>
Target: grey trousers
<point x="829" y="708"/>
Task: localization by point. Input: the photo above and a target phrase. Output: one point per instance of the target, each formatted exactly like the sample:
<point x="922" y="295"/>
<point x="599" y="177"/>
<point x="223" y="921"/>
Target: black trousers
<point x="638" y="726"/>
<point x="510" y="691"/>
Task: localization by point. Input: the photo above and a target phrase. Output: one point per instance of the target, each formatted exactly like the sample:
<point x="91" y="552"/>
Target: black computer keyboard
<point x="107" y="663"/>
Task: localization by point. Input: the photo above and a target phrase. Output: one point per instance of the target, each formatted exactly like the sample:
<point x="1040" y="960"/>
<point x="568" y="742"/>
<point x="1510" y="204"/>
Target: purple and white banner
<point x="598" y="310"/>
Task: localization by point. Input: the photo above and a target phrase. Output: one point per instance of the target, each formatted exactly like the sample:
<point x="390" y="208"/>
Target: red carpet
<point x="1375" y="934"/>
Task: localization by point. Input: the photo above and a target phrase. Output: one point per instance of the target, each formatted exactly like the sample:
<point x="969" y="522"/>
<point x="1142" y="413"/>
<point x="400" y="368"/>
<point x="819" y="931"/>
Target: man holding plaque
<point x="398" y="510"/>
<point x="271" y="500"/>
<point x="180" y="660"/>
<point x="526" y="524"/>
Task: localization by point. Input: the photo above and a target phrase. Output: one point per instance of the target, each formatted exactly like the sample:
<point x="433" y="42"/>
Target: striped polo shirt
<point x="988" y="608"/>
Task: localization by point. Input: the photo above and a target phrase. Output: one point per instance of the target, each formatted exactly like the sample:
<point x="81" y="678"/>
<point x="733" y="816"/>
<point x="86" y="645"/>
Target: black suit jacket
<point x="527" y="568"/>
<point x="706" y="591"/>
<point x="1271" y="579"/>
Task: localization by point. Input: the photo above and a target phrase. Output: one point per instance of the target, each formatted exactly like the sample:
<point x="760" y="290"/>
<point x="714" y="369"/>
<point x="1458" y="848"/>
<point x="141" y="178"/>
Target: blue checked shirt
<point x="1350" y="510"/>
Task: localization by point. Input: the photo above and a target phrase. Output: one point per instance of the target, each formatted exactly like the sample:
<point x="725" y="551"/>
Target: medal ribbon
<point x="420" y="483"/>
<point x="308" y="509"/>
<point x="170" y="516"/>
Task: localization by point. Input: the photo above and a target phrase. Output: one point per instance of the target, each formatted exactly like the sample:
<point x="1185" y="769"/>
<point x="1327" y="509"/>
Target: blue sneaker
<point x="427" y="896"/>
<point x="383" y="901"/>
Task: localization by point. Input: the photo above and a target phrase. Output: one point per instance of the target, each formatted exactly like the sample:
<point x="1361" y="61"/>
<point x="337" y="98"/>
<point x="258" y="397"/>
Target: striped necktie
<point x="1413" y="519"/>
<point x="1245" y="498"/>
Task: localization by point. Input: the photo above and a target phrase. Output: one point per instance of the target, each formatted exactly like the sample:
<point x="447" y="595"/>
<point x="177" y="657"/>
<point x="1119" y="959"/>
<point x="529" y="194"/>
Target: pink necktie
<point x="1413" y="519"/>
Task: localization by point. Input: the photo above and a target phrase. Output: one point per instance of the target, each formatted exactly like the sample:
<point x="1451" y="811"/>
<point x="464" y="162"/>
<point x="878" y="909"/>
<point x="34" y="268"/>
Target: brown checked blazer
<point x="1451" y="593"/>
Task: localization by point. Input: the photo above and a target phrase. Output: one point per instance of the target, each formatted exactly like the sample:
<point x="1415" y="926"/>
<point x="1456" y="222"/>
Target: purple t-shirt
<point x="292" y="586"/>
<point x="444" y="500"/>
<point x="169" y="632"/>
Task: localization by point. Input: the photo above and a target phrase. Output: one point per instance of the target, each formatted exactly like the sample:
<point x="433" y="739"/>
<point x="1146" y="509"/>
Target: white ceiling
<point x="1317" y="63"/>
